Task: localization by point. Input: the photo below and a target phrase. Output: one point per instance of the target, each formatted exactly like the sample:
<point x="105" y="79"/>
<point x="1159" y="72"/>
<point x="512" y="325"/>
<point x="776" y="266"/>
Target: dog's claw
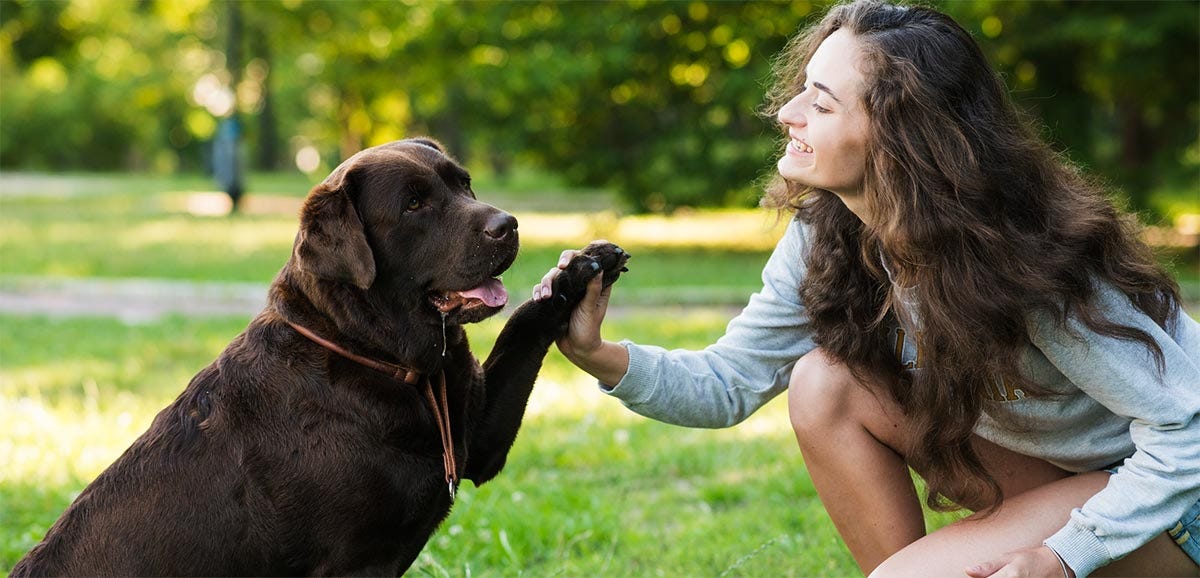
<point x="604" y="259"/>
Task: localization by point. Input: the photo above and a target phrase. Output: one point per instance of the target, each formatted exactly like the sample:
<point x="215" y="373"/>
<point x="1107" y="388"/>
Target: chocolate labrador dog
<point x="329" y="437"/>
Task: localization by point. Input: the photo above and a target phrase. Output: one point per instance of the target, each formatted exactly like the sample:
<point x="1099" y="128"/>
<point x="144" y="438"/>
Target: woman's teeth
<point x="802" y="146"/>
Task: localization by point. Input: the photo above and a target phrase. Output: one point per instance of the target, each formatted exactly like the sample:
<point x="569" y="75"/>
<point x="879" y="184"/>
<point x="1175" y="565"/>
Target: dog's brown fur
<point x="284" y="458"/>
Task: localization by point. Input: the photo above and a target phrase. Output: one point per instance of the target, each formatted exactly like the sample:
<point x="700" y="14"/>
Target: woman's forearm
<point x="608" y="363"/>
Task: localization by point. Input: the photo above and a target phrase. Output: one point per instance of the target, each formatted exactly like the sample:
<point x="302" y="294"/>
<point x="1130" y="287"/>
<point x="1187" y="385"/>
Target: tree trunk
<point x="267" y="156"/>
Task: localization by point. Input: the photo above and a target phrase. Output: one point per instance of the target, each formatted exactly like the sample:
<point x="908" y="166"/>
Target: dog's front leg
<point x="514" y="362"/>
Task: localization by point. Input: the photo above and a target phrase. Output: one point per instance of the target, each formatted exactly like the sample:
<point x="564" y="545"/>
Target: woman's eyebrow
<point x="825" y="89"/>
<point x="822" y="87"/>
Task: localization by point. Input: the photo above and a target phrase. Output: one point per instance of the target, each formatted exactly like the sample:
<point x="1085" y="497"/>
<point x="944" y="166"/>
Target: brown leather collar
<point x="406" y="374"/>
<point x="441" y="411"/>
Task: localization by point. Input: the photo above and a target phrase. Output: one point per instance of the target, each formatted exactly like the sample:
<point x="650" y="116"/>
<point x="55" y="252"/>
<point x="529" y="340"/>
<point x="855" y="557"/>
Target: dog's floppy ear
<point x="331" y="243"/>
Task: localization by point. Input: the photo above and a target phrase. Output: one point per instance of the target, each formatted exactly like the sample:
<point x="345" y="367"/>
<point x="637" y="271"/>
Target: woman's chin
<point x="795" y="175"/>
<point x="798" y="171"/>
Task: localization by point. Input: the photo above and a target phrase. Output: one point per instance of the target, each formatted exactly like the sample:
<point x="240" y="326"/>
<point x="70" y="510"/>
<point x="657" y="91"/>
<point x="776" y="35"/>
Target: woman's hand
<point x="582" y="344"/>
<point x="1039" y="562"/>
<point x="583" y="332"/>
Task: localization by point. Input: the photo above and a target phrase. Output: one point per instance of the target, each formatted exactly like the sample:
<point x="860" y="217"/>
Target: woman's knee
<point x="824" y="395"/>
<point x="820" y="393"/>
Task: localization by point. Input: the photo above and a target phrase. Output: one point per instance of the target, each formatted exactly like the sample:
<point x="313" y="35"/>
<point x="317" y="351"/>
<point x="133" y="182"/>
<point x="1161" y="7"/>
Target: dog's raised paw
<point x="595" y="259"/>
<point x="612" y="259"/>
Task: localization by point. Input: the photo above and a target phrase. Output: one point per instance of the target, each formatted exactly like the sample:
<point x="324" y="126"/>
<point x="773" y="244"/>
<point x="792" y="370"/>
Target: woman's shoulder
<point x="796" y="237"/>
<point x="786" y="263"/>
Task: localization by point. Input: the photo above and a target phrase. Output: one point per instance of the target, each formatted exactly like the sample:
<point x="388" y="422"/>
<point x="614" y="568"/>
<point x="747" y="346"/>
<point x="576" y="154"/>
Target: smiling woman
<point x="954" y="298"/>
<point x="828" y="135"/>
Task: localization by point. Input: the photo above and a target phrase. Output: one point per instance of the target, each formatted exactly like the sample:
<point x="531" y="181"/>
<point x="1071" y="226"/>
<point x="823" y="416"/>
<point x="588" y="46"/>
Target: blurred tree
<point x="228" y="163"/>
<point x="99" y="85"/>
<point x="1116" y="84"/>
<point x="267" y="154"/>
<point x="658" y="100"/>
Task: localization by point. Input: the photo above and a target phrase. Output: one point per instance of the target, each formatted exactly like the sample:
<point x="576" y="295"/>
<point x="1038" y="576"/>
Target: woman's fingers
<point x="545" y="288"/>
<point x="984" y="570"/>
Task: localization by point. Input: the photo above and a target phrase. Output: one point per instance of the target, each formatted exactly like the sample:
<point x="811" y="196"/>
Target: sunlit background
<point x="124" y="269"/>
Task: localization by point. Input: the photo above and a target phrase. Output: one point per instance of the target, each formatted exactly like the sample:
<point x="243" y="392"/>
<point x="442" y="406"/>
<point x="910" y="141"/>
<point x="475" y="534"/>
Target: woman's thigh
<point x="828" y="388"/>
<point x="1016" y="473"/>
<point x="1025" y="521"/>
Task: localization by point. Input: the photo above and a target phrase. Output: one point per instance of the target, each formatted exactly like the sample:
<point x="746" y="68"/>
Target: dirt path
<point x="132" y="300"/>
<point x="145" y="300"/>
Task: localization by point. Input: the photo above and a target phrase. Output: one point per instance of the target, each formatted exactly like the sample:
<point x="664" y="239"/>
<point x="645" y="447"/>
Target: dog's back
<point x="162" y="499"/>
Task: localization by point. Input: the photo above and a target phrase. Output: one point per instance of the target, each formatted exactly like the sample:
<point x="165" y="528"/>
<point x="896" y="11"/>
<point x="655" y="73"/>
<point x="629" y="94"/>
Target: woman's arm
<point x="723" y="383"/>
<point x="1162" y="478"/>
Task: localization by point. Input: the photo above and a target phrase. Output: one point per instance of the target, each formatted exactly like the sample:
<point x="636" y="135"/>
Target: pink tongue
<point x="492" y="293"/>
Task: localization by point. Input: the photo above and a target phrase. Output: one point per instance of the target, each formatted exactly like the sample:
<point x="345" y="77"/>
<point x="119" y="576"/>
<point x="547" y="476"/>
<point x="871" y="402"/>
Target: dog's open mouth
<point x="490" y="293"/>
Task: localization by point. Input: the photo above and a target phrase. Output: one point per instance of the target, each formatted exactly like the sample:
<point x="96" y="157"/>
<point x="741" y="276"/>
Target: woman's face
<point x="826" y="121"/>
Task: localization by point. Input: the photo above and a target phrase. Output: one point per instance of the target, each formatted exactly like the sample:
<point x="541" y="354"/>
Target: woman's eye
<point x="819" y="108"/>
<point x="413" y="204"/>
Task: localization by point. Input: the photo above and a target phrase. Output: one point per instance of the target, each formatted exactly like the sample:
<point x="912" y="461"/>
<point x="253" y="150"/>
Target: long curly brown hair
<point x="974" y="213"/>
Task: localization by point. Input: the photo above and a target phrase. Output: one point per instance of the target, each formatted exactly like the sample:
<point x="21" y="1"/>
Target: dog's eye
<point x="413" y="204"/>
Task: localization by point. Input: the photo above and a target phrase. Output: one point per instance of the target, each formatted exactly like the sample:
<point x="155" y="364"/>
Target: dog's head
<point x="401" y="222"/>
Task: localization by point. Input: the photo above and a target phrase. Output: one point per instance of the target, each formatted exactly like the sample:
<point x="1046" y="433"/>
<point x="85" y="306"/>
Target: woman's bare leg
<point x="1024" y="521"/>
<point x="851" y="442"/>
<point x="863" y="483"/>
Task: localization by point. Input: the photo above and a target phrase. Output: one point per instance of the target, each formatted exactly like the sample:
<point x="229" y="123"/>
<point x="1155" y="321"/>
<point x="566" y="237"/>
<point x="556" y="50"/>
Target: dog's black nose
<point x="500" y="225"/>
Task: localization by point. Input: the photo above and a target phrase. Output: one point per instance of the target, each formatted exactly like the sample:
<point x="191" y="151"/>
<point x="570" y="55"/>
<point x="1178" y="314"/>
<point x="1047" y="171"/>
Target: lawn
<point x="590" y="488"/>
<point x="103" y="230"/>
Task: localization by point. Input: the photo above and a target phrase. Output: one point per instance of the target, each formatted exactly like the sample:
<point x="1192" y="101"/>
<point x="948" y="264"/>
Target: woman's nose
<point x="792" y="113"/>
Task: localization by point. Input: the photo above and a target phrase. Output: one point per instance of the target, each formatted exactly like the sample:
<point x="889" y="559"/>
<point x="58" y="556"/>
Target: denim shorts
<point x="1186" y="532"/>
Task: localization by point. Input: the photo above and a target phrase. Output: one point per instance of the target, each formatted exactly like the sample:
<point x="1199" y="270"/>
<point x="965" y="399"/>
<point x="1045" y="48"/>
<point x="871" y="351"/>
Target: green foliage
<point x="1115" y="84"/>
<point x="656" y="100"/>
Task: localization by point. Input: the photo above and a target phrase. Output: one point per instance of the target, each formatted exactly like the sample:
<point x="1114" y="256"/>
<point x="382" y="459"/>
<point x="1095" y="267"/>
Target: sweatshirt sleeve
<point x="1155" y="485"/>
<point x="751" y="363"/>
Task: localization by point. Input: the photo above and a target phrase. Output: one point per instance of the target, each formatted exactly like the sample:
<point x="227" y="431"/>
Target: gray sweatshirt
<point x="1114" y="405"/>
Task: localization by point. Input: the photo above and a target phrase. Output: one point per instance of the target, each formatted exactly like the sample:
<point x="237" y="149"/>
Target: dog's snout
<point x="500" y="225"/>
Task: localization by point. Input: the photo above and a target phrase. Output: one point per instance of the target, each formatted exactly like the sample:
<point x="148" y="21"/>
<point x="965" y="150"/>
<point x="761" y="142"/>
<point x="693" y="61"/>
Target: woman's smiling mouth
<point x="797" y="146"/>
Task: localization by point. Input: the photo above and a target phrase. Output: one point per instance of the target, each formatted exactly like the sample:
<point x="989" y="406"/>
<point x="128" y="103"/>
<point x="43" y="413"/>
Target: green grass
<point x="104" y="230"/>
<point x="590" y="488"/>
